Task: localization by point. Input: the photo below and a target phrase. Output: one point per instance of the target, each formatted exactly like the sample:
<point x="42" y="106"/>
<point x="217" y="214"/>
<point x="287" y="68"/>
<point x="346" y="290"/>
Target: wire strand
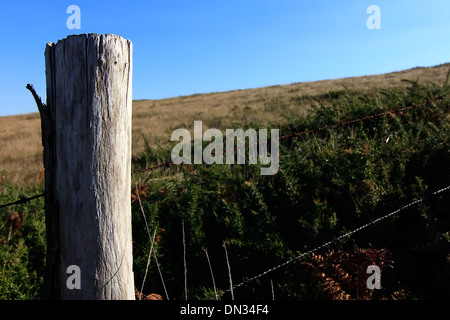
<point x="326" y="244"/>
<point x="170" y="164"/>
<point x="22" y="200"/>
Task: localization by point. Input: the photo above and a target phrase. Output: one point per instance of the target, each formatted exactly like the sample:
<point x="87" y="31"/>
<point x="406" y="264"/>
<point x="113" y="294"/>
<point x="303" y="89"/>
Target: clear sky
<point x="182" y="47"/>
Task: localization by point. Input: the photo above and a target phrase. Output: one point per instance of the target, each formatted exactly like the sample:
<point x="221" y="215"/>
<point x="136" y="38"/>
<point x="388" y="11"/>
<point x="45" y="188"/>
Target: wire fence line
<point x="170" y="164"/>
<point x="339" y="238"/>
<point x="22" y="200"/>
<point x="326" y="244"/>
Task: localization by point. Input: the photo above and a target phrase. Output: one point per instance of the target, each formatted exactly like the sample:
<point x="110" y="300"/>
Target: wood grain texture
<point x="89" y="98"/>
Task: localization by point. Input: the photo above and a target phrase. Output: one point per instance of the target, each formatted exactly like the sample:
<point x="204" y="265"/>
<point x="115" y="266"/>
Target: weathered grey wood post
<point x="87" y="157"/>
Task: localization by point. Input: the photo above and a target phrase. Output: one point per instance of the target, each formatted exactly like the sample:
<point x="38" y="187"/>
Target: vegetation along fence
<point x="358" y="159"/>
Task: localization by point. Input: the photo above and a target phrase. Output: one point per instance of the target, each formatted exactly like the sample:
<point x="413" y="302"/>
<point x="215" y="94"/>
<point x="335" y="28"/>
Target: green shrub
<point x="330" y="181"/>
<point x="22" y="245"/>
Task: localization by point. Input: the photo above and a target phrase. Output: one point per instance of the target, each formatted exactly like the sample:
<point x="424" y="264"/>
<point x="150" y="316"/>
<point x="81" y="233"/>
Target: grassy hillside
<point x="154" y="120"/>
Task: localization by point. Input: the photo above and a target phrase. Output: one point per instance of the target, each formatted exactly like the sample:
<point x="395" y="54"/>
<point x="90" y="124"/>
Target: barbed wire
<point x="326" y="244"/>
<point x="21" y="201"/>
<point x="170" y="164"/>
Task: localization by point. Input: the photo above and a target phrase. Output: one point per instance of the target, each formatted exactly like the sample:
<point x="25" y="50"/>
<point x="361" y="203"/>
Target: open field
<point x="154" y="120"/>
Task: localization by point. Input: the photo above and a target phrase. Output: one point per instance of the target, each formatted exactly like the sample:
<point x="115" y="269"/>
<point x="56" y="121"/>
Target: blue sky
<point x="182" y="47"/>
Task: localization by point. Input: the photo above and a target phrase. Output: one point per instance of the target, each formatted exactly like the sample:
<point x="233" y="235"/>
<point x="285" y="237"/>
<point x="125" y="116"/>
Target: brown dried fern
<point x="342" y="275"/>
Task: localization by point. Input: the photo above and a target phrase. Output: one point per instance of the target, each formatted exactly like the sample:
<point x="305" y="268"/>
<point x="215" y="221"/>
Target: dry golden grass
<point x="20" y="142"/>
<point x="21" y="148"/>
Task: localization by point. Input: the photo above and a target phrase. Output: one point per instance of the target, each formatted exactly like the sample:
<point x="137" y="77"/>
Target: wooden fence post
<point x="87" y="158"/>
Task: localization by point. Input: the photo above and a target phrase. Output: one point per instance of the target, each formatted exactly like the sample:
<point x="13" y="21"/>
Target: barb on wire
<point x="21" y="201"/>
<point x="335" y="240"/>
